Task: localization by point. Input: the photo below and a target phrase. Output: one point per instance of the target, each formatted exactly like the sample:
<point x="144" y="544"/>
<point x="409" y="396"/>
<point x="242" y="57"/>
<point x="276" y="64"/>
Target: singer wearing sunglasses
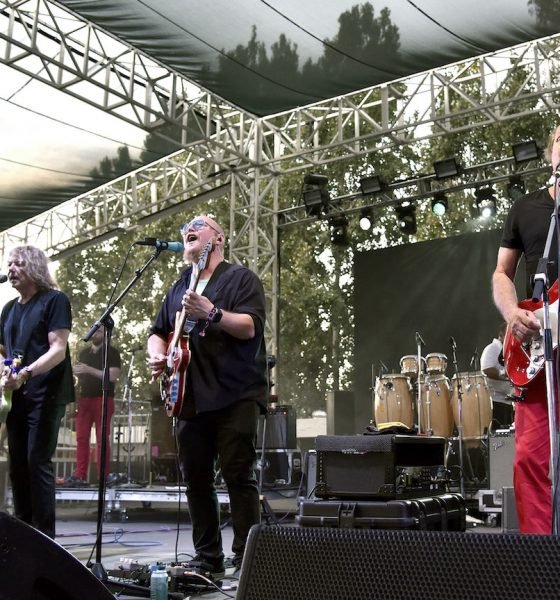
<point x="214" y="315"/>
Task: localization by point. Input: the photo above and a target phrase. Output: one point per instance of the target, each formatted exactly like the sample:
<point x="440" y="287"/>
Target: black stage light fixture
<point x="339" y="231"/>
<point x="316" y="179"/>
<point x="485" y="202"/>
<point x="446" y="168"/>
<point x="371" y="185"/>
<point x="315" y="201"/>
<point x="524" y="151"/>
<point x="406" y="215"/>
<point x="366" y="219"/>
<point x="439" y="204"/>
<point x="515" y="187"/>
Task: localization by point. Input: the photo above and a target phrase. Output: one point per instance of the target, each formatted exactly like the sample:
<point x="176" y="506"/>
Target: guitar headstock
<point x="200" y="265"/>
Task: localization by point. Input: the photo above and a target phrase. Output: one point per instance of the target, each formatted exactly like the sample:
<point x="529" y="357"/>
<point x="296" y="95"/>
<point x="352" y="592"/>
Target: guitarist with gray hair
<point x="525" y="232"/>
<point x="207" y="348"/>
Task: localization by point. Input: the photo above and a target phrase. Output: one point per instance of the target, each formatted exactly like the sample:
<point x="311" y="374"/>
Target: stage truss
<point x="232" y="154"/>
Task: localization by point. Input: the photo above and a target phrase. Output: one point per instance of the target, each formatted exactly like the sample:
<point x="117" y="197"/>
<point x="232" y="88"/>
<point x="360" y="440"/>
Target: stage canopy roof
<point x="268" y="56"/>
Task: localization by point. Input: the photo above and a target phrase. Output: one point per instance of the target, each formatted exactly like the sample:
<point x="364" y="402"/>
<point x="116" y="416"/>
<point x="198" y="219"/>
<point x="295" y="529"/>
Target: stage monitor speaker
<point x="331" y="564"/>
<point x="280" y="433"/>
<point x="34" y="567"/>
<point x="340" y="413"/>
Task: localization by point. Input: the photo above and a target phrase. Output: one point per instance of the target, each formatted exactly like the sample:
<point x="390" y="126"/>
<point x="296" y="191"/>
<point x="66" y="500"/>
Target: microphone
<point x="3" y="278"/>
<point x="452" y="342"/>
<point x="384" y="367"/>
<point x="419" y="339"/>
<point x="161" y="245"/>
<point x="474" y="358"/>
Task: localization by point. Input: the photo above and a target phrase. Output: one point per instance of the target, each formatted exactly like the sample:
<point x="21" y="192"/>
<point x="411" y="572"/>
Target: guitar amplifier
<point x="382" y="466"/>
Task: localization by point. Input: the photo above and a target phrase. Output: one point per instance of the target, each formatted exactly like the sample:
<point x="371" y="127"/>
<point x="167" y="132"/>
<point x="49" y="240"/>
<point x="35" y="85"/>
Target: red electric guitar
<point x="173" y="380"/>
<point x="523" y="362"/>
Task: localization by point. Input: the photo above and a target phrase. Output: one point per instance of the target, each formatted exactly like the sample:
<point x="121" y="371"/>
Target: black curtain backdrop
<point x="439" y="288"/>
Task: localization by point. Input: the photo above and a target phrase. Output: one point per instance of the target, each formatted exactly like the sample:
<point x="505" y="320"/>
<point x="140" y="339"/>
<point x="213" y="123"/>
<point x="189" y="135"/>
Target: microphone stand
<point x="540" y="289"/>
<point x="459" y="414"/>
<point x="128" y="396"/>
<point x="97" y="568"/>
<point x="420" y="343"/>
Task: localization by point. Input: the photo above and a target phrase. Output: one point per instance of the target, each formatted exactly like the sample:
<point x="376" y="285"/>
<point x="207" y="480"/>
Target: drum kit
<point x="422" y="393"/>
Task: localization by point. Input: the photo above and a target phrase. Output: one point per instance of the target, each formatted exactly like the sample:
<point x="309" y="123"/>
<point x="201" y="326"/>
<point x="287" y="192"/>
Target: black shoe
<point x="206" y="566"/>
<point x="74" y="481"/>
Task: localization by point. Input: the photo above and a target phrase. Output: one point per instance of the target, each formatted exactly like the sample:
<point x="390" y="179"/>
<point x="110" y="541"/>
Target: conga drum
<point x="477" y="406"/>
<point x="393" y="400"/>
<point x="436" y="404"/>
<point x="436" y="363"/>
<point x="409" y="366"/>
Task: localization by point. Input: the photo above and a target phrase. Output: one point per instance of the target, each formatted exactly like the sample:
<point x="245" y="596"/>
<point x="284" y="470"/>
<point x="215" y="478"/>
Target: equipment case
<point x="438" y="513"/>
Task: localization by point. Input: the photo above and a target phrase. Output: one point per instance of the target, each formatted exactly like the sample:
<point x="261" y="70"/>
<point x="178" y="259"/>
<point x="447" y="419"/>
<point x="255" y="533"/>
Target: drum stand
<point x="460" y="415"/>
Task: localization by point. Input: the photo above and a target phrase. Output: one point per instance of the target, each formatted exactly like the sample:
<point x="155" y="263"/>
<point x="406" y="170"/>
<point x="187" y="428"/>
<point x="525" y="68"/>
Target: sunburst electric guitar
<point x="173" y="380"/>
<point x="524" y="362"/>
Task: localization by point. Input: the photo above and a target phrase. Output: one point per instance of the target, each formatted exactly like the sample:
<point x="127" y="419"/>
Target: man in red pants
<point x="525" y="232"/>
<point x="90" y="374"/>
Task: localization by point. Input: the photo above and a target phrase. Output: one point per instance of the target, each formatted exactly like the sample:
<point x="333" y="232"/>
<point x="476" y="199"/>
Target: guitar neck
<point x="182" y="316"/>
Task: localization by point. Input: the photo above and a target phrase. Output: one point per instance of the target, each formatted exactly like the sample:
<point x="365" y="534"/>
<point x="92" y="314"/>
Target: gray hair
<point x="37" y="266"/>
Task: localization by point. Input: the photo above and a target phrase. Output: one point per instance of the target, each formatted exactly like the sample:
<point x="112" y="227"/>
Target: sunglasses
<point x="196" y="225"/>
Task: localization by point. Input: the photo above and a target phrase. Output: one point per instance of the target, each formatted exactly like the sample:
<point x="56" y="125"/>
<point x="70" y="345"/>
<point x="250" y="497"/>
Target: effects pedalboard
<point x="135" y="579"/>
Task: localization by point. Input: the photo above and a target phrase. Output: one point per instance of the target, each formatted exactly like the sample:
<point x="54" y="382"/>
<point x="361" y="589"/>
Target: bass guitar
<point x="524" y="362"/>
<point x="173" y="380"/>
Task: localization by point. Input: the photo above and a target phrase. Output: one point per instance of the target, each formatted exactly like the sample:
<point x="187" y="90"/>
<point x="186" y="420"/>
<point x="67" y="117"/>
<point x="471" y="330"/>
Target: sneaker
<point x="74" y="481"/>
<point x="207" y="566"/>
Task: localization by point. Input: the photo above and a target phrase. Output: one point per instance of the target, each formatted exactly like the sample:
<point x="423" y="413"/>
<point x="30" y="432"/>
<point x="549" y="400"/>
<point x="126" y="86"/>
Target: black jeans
<point x="32" y="437"/>
<point x="228" y="434"/>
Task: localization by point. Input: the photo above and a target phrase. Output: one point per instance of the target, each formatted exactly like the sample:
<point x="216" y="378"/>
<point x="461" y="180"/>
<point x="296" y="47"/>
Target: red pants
<point x="89" y="412"/>
<point x="531" y="465"/>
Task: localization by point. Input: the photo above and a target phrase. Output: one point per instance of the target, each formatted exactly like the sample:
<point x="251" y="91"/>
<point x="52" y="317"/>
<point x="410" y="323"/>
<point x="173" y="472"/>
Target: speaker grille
<point x="306" y="563"/>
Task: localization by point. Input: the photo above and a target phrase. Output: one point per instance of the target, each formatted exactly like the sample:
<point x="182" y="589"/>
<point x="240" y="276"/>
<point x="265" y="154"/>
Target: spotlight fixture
<point x="339" y="231"/>
<point x="439" y="204"/>
<point x="524" y="151"/>
<point x="366" y="218"/>
<point x="371" y="185"/>
<point x="446" y="168"/>
<point x="315" y="201"/>
<point x="485" y="202"/>
<point x="316" y="179"/>
<point x="406" y="215"/>
<point x="515" y="187"/>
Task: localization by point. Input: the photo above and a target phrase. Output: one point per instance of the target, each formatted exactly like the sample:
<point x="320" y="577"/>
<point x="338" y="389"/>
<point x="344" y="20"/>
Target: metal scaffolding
<point x="231" y="153"/>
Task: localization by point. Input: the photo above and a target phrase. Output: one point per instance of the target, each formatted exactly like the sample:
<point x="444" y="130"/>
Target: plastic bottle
<point x="158" y="584"/>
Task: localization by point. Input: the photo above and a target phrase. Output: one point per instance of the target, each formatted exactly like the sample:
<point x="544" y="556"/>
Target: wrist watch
<point x="215" y="315"/>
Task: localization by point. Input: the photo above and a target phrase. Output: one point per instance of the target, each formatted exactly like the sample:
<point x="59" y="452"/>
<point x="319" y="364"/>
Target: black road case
<point x="437" y="513"/>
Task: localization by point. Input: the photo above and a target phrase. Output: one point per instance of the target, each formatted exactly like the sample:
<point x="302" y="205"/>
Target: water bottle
<point x="158" y="584"/>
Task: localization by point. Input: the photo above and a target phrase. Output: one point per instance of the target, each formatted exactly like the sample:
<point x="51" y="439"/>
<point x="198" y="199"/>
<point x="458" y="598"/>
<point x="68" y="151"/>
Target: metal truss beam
<point x="415" y="189"/>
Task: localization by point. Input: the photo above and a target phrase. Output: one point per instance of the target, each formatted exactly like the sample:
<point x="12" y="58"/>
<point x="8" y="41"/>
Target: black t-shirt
<point x="526" y="229"/>
<point x="90" y="385"/>
<point x="222" y="369"/>
<point x="25" y="329"/>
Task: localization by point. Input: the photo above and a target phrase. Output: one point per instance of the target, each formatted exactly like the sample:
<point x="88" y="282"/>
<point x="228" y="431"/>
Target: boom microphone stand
<point x="459" y="412"/>
<point x="128" y="397"/>
<point x="540" y="289"/>
<point x="97" y="568"/>
<point x="420" y="343"/>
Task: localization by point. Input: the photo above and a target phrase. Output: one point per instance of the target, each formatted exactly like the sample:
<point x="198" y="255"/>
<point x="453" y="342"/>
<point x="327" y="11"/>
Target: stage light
<point x="315" y="201"/>
<point x="316" y="179"/>
<point x="439" y="204"/>
<point x="406" y="215"/>
<point x="524" y="151"/>
<point x="339" y="231"/>
<point x="371" y="185"/>
<point x="446" y="168"/>
<point x="366" y="219"/>
<point x="485" y="202"/>
<point x="515" y="187"/>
